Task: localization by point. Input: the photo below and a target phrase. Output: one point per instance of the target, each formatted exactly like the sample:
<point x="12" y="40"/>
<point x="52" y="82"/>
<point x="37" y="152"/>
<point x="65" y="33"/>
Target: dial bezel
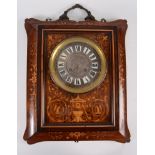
<point x="55" y="75"/>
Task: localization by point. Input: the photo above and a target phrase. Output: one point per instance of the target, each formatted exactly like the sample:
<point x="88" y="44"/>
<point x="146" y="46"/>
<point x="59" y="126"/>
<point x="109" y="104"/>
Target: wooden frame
<point x="37" y="129"/>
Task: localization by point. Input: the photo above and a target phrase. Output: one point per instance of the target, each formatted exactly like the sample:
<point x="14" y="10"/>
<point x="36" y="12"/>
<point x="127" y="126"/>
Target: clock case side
<point x="32" y="134"/>
<point x="123" y="125"/>
<point x="31" y="90"/>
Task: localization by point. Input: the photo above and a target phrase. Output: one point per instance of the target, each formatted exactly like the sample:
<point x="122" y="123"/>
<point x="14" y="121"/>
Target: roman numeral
<point x="63" y="56"/>
<point x="86" y="79"/>
<point x="94" y="65"/>
<point x="69" y="79"/>
<point x="62" y="73"/>
<point x="77" y="81"/>
<point x="92" y="57"/>
<point x="78" y="48"/>
<point x="86" y="50"/>
<point x="69" y="50"/>
<point x="92" y="73"/>
<point x="60" y="64"/>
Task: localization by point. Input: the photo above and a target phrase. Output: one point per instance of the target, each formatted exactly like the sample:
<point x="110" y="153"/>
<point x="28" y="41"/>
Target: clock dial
<point x="77" y="65"/>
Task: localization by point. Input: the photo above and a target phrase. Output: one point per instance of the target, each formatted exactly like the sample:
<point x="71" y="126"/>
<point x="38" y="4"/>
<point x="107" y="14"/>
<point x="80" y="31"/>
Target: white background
<point x="111" y="9"/>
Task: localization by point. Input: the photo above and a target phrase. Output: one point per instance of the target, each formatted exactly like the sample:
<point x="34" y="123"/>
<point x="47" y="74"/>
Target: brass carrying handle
<point x="88" y="17"/>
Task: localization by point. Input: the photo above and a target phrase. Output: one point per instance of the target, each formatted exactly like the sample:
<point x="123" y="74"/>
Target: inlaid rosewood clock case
<point x="76" y="80"/>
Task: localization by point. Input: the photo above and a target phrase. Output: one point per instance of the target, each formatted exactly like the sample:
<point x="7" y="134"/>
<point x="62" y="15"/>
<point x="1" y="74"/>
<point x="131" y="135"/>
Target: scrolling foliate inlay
<point x="32" y="55"/>
<point x="76" y="136"/>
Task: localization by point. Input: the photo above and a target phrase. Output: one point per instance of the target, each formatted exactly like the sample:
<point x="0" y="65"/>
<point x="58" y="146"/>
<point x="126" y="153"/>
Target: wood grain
<point x="54" y="114"/>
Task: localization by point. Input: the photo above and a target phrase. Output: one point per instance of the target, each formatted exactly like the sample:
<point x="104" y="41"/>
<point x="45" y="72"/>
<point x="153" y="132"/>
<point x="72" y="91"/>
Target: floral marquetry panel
<point x="97" y="113"/>
<point x="66" y="107"/>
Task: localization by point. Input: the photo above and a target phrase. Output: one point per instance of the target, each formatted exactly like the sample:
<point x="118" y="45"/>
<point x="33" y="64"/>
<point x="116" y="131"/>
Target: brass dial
<point x="77" y="65"/>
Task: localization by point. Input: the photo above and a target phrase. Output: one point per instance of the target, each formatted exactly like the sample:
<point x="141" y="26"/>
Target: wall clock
<point x="76" y="80"/>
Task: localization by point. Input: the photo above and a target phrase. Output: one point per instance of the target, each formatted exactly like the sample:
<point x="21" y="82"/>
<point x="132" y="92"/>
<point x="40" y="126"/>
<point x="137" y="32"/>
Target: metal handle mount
<point x="88" y="17"/>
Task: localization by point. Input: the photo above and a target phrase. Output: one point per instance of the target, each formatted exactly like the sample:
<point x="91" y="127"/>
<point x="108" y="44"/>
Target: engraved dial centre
<point x="78" y="65"/>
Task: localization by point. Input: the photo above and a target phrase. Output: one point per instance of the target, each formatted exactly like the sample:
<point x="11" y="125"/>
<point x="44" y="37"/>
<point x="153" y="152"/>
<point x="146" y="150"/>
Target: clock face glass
<point x="77" y="64"/>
